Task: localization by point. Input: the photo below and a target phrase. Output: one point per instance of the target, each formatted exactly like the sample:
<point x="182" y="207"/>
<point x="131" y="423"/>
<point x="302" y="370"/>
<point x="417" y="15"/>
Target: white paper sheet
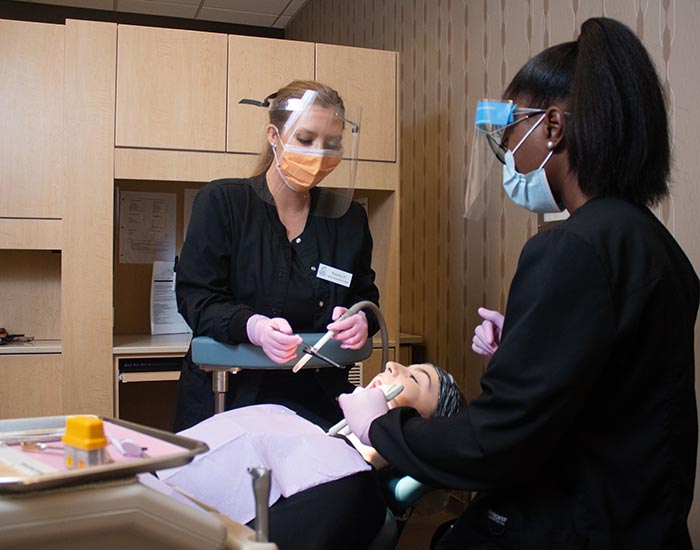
<point x="298" y="453"/>
<point x="164" y="316"/>
<point x="146" y="227"/>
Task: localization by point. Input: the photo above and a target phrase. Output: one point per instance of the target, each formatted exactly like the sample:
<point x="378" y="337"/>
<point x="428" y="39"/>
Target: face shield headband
<point x="315" y="132"/>
<point x="491" y="120"/>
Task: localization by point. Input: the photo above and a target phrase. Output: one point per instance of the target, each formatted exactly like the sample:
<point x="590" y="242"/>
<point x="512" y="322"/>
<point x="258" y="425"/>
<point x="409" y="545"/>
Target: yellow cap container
<point x="84" y="432"/>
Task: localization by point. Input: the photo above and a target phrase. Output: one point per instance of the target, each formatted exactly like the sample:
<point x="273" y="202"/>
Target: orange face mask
<point x="303" y="169"/>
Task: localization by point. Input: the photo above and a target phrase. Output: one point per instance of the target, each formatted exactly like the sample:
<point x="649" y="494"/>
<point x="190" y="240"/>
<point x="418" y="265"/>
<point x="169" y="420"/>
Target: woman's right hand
<point x="487" y="335"/>
<point x="274" y="336"/>
<point x="361" y="408"/>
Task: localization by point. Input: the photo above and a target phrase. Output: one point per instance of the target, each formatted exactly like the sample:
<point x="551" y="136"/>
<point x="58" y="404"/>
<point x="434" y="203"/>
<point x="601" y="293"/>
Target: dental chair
<point x="221" y="359"/>
<point x="401" y="493"/>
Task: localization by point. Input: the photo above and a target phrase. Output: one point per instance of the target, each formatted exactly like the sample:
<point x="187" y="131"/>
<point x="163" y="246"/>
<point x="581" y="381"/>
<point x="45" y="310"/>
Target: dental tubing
<point x="364" y="304"/>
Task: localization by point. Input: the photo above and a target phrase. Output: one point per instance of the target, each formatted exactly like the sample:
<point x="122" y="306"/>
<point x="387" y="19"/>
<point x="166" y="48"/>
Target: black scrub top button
<point x="298" y="240"/>
<point x="313" y="268"/>
<point x="320" y="304"/>
<point x="282" y="275"/>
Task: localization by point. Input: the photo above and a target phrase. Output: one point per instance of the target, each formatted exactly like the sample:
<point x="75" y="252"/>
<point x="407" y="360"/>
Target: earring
<point x="550" y="144"/>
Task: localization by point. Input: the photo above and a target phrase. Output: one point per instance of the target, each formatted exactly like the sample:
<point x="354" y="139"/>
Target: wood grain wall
<point x="454" y="52"/>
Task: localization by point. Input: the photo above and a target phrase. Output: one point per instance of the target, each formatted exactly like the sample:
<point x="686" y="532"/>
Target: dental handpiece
<point x="390" y="392"/>
<point x="324" y="339"/>
<point x="261" y="490"/>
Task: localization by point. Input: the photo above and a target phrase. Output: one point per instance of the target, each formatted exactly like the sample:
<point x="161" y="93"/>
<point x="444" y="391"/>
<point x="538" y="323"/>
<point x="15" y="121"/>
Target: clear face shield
<point x="491" y="120"/>
<point x="315" y="150"/>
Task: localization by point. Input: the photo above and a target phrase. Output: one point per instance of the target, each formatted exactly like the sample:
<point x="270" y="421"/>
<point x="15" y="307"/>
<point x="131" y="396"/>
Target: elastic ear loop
<point x="532" y="129"/>
<point x="277" y="162"/>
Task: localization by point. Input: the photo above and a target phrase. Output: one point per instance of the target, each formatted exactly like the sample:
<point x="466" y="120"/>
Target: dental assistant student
<point x="585" y="433"/>
<point x="255" y="265"/>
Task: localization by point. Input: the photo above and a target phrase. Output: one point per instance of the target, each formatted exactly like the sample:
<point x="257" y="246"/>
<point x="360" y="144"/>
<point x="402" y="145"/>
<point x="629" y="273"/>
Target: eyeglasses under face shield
<point x="494" y="117"/>
<point x="491" y="120"/>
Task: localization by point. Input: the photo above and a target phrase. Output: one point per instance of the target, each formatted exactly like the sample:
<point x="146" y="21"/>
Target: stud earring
<point x="550" y="144"/>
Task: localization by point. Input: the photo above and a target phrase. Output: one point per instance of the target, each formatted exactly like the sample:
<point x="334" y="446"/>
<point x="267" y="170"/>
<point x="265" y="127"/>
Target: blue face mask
<point x="529" y="190"/>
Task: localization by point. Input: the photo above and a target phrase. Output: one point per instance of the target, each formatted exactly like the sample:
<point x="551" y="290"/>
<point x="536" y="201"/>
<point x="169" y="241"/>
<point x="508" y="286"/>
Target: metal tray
<point x="50" y="428"/>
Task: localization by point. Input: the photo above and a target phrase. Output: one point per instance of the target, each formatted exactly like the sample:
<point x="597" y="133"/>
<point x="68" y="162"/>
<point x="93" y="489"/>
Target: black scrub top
<point x="236" y="261"/>
<point x="585" y="433"/>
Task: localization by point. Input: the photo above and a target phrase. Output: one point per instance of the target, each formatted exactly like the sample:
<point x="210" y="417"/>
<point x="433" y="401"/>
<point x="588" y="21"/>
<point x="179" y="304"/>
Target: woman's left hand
<point x="351" y="332"/>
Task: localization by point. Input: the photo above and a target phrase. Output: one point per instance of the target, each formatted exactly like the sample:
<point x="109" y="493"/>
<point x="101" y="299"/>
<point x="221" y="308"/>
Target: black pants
<point x="341" y="515"/>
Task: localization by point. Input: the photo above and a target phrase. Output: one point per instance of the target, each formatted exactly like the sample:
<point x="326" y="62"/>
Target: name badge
<point x="334" y="275"/>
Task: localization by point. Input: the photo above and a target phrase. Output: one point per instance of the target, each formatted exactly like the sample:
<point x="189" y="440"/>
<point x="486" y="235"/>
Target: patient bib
<point x="299" y="454"/>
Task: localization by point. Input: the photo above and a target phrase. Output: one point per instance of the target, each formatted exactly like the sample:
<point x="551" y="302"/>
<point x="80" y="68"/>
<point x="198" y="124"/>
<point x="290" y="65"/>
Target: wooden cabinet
<point x="366" y="78"/>
<point x="88" y="106"/>
<point x="31" y="110"/>
<point x="274" y="63"/>
<point x="30" y="385"/>
<point x="30" y="291"/>
<point x="181" y="89"/>
<point x="56" y="219"/>
<point x="31" y="211"/>
<point x="171" y="89"/>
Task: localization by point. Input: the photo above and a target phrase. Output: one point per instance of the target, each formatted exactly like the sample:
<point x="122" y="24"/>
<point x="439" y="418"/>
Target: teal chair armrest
<point x="405" y="492"/>
<point x="210" y="352"/>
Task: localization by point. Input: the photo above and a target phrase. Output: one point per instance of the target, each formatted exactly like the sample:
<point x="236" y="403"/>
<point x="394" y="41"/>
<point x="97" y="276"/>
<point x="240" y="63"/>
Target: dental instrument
<point x="328" y="335"/>
<point x="390" y="392"/>
<point x="37" y="446"/>
<point x="126" y="447"/>
<point x="310" y="351"/>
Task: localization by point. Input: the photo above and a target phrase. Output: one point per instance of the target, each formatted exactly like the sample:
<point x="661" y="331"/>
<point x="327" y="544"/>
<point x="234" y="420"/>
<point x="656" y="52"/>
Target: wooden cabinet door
<point x="258" y="67"/>
<point x="31" y="110"/>
<point x="366" y="78"/>
<point x="33" y="385"/>
<point x="171" y="89"/>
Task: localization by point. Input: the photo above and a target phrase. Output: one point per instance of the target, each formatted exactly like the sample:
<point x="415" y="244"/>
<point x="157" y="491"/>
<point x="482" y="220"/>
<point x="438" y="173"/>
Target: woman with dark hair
<point x="585" y="433"/>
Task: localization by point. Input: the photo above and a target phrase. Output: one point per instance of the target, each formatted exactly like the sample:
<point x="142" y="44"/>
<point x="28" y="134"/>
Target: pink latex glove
<point x="351" y="332"/>
<point x="361" y="408"/>
<point x="487" y="335"/>
<point x="274" y="336"/>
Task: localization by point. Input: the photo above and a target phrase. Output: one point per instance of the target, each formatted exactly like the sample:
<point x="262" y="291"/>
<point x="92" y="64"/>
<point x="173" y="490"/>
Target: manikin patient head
<point x="426" y="388"/>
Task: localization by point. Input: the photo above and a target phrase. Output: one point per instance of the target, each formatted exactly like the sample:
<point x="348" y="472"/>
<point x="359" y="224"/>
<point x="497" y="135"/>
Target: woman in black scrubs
<point x="585" y="433"/>
<point x="251" y="268"/>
